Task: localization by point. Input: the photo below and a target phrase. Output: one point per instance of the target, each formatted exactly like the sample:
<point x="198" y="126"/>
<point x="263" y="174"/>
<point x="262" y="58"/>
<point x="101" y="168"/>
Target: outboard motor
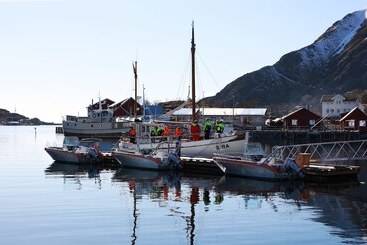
<point x="291" y="166"/>
<point x="174" y="160"/>
<point x="92" y="153"/>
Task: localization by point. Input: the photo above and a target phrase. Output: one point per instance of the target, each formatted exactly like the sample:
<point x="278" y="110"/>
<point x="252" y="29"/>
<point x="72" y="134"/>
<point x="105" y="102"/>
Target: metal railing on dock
<point x="325" y="152"/>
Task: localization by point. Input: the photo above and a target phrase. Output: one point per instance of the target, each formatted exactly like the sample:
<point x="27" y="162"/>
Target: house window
<point x="327" y="110"/>
<point x="338" y="111"/>
<point x="351" y="123"/>
<point x="91" y="125"/>
<point x="312" y="122"/>
<point x="294" y="122"/>
<point x="332" y="110"/>
<point x="362" y="123"/>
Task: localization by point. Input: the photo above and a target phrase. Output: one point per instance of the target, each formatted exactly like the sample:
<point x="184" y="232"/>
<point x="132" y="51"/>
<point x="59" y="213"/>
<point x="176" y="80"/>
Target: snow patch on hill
<point x="334" y="40"/>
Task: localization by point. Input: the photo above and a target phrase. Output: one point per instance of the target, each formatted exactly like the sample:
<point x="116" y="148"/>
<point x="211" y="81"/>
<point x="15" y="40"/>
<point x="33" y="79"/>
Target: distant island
<point x="9" y="118"/>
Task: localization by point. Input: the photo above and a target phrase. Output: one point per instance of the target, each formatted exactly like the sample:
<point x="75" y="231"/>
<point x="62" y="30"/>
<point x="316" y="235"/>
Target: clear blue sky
<point x="56" y="55"/>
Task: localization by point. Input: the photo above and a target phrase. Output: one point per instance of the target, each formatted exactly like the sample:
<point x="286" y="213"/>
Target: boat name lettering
<point x="222" y="146"/>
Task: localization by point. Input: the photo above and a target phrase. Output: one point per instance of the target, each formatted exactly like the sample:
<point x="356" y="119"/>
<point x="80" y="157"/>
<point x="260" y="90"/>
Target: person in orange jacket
<point x="166" y="131"/>
<point x="195" y="131"/>
<point x="178" y="133"/>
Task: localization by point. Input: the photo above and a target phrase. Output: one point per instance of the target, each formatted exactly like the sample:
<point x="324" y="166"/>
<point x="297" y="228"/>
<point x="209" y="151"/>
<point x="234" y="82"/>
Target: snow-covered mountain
<point x="335" y="62"/>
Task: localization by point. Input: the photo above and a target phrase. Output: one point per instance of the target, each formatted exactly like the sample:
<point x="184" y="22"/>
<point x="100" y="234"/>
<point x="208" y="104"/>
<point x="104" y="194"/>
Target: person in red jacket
<point x="195" y="131"/>
<point x="132" y="135"/>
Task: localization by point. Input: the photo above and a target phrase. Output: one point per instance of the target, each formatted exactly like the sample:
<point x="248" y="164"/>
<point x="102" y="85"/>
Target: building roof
<point x="330" y="97"/>
<point x="183" y="112"/>
<point x="222" y="111"/>
<point x="298" y="110"/>
<point x="119" y="103"/>
<point x="105" y="102"/>
<point x="123" y="102"/>
<point x="233" y="111"/>
<point x="354" y="110"/>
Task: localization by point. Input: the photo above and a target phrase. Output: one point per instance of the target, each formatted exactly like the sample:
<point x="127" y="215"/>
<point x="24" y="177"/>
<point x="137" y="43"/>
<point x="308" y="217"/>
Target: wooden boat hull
<point x="251" y="169"/>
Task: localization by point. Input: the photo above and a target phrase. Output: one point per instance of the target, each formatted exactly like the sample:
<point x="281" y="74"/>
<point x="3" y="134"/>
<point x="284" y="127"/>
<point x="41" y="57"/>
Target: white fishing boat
<point x="225" y="144"/>
<point x="222" y="143"/>
<point x="75" y="151"/>
<point x="101" y="122"/>
<point x="106" y="119"/>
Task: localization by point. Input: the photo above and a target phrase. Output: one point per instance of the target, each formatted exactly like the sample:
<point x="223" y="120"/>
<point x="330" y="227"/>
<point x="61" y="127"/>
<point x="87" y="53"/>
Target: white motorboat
<point x="244" y="167"/>
<point x="75" y="151"/>
<point x="159" y="159"/>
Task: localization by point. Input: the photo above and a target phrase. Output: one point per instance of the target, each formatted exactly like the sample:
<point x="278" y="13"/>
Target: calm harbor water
<point x="42" y="202"/>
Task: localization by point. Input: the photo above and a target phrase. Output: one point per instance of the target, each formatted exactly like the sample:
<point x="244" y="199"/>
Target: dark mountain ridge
<point x="7" y="117"/>
<point x="335" y="63"/>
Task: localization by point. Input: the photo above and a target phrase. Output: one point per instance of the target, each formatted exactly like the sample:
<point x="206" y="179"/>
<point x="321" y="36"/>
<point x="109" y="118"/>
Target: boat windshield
<point x="90" y="142"/>
<point x="254" y="149"/>
<point x="71" y="141"/>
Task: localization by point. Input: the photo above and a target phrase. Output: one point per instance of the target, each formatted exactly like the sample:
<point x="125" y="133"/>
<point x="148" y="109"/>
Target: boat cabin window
<point x="104" y="113"/>
<point x="362" y="123"/>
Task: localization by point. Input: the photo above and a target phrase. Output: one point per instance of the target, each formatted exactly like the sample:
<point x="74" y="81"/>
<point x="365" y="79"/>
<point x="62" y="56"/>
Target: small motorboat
<point x="262" y="169"/>
<point x="75" y="151"/>
<point x="273" y="169"/>
<point x="159" y="159"/>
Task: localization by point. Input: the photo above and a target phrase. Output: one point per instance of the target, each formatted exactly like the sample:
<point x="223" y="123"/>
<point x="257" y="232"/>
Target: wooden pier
<point x="286" y="137"/>
<point x="200" y="165"/>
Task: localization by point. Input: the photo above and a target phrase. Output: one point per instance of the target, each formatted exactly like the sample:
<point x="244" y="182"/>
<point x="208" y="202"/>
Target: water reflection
<point x="189" y="197"/>
<point x="75" y="173"/>
<point x="156" y="185"/>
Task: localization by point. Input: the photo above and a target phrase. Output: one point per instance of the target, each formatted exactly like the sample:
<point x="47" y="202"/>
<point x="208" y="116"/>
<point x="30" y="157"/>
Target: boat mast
<point x="143" y="101"/>
<point x="135" y="68"/>
<point x="193" y="48"/>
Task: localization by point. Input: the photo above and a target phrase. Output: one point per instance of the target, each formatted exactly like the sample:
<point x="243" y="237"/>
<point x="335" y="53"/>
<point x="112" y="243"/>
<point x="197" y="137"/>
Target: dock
<point x="200" y="165"/>
<point x="294" y="136"/>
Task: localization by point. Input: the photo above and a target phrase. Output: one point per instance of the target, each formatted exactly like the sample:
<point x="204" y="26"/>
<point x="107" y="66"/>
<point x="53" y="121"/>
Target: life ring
<point x="94" y="115"/>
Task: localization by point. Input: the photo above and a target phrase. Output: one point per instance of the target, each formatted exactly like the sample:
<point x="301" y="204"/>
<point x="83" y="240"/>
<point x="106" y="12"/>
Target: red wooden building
<point x="104" y="103"/>
<point x="125" y="108"/>
<point x="301" y="118"/>
<point x="355" y="120"/>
